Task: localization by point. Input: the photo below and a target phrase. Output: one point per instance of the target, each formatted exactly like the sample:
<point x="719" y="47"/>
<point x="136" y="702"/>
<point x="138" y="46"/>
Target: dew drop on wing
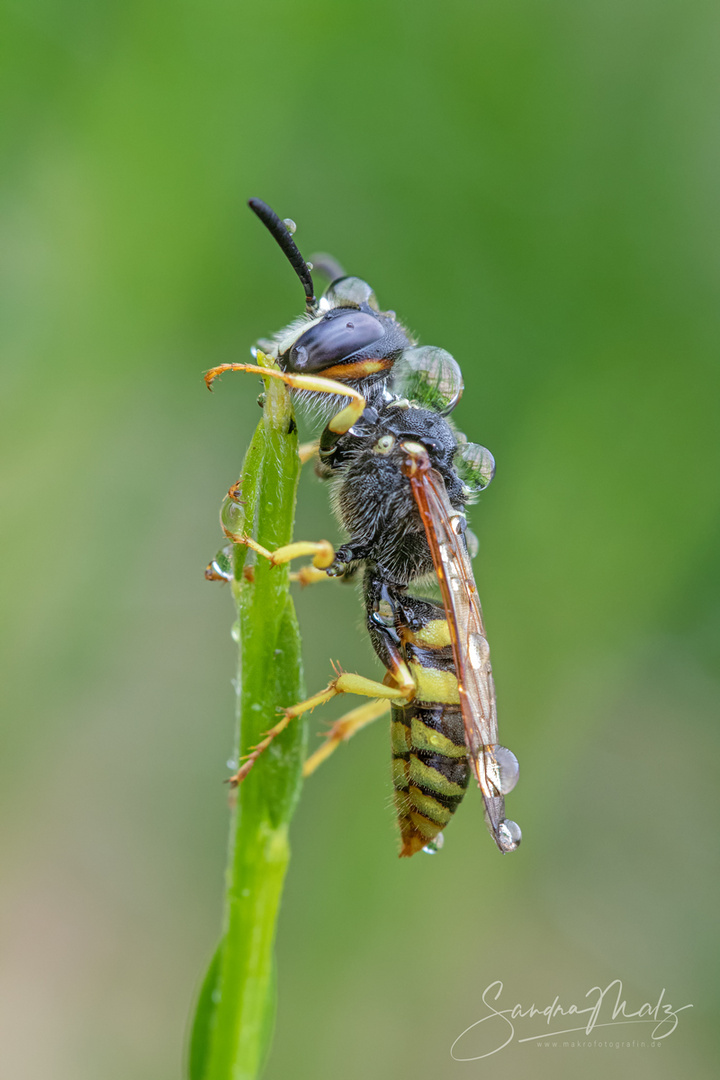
<point x="509" y="835"/>
<point x="458" y="523"/>
<point x="473" y="544"/>
<point x="508" y="768"/>
<point x="456" y="582"/>
<point x="478" y="651"/>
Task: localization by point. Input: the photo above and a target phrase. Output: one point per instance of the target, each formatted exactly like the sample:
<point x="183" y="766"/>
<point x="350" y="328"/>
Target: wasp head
<point x="343" y="336"/>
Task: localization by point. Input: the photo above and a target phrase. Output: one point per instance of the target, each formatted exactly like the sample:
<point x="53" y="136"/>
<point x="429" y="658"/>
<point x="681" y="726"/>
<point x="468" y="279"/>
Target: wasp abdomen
<point x="430" y="765"/>
<point x="430" y="770"/>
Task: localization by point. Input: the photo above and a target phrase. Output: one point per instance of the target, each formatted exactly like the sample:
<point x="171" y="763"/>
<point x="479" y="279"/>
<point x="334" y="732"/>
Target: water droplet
<point x="384" y="614"/>
<point x="459" y="524"/>
<point x="232" y="517"/>
<point x="290" y="225"/>
<point x="235" y="632"/>
<point x="478" y="651"/>
<point x="350" y="292"/>
<point x="475" y="466"/>
<point x="509" y="835"/>
<point x="256" y="706"/>
<point x="213" y="572"/>
<point x="435" y="845"/>
<point x="221" y="568"/>
<point x="508" y="768"/>
<point x="429" y="376"/>
<point x="232" y="763"/>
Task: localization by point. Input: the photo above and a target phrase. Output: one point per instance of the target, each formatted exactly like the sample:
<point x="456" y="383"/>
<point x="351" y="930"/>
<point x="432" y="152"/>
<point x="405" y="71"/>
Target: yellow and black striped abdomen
<point x="430" y="766"/>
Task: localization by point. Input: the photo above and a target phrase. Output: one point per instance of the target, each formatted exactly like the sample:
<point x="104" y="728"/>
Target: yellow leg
<point x="308" y="575"/>
<point x="348" y="683"/>
<point x="345" y="683"/>
<point x="344" y="729"/>
<point x="323" y="551"/>
<point x="308" y="450"/>
<point x="317" y="384"/>
<point x="251" y="758"/>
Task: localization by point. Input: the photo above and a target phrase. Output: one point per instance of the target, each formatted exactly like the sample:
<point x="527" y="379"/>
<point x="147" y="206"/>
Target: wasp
<point x="401" y="476"/>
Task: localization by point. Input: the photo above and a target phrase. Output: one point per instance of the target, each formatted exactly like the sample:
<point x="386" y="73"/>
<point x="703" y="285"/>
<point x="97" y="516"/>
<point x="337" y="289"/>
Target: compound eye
<point x="349" y="292"/>
<point x="339" y="335"/>
<point x="429" y="376"/>
<point x="384" y="444"/>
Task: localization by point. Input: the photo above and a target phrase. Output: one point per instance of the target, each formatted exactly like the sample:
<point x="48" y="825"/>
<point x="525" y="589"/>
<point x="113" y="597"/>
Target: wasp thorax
<point x="349" y="292"/>
<point x="339" y="335"/>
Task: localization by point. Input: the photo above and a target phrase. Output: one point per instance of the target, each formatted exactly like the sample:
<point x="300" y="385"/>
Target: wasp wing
<point x="444" y="529"/>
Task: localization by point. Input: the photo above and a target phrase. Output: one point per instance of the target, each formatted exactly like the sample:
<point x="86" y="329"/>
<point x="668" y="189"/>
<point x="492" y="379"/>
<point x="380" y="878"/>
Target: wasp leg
<point x="323" y="551"/>
<point x="252" y="757"/>
<point x="306" y="575"/>
<point x="349" y="683"/>
<point x="318" y="384"/>
<point x="344" y="729"/>
<point x="309" y="575"/>
<point x="345" y="683"/>
<point x="308" y="450"/>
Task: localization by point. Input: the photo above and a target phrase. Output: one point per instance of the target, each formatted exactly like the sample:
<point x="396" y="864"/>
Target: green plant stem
<point x="231" y="1037"/>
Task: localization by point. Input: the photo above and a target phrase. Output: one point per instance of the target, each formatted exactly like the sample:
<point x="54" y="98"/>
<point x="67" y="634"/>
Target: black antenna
<point x="279" y="230"/>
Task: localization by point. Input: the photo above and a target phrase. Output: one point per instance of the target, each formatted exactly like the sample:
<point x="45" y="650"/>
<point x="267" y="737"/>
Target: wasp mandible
<point x="400" y="475"/>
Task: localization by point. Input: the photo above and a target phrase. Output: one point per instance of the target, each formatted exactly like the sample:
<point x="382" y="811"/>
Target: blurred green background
<point x="532" y="186"/>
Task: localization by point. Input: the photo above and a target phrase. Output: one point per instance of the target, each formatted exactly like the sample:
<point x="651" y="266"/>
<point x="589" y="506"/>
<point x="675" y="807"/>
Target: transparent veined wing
<point x="495" y="766"/>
